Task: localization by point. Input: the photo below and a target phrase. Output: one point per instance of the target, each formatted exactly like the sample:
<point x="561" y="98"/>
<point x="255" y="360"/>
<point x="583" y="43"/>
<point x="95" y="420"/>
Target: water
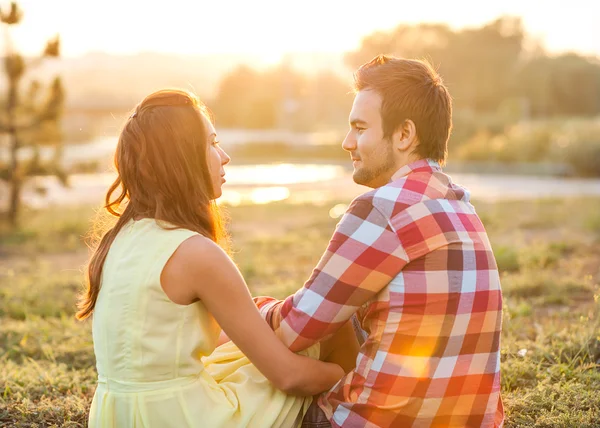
<point x="296" y="183"/>
<point x="102" y="148"/>
<point x="255" y="184"/>
<point x="314" y="183"/>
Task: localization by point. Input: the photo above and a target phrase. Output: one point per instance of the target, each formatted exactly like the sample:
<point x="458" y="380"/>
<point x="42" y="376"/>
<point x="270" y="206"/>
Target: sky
<point x="270" y="28"/>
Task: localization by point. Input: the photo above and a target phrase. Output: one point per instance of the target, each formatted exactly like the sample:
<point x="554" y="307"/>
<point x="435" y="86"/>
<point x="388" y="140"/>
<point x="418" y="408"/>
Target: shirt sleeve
<point x="362" y="257"/>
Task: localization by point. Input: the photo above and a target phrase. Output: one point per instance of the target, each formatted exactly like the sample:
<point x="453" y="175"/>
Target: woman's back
<point x="149" y="349"/>
<point x="139" y="333"/>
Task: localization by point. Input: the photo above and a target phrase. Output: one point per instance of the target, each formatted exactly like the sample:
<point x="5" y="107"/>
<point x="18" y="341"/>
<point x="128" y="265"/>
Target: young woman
<point x="161" y="287"/>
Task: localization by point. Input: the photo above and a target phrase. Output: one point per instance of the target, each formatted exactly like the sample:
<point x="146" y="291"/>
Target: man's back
<point x="432" y="354"/>
<point x="415" y="259"/>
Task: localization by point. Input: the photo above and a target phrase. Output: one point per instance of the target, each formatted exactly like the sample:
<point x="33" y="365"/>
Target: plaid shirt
<point x="413" y="261"/>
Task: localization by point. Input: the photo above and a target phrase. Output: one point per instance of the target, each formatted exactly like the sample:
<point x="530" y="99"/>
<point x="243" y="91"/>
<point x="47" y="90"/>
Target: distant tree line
<point x="489" y="71"/>
<point x="281" y="98"/>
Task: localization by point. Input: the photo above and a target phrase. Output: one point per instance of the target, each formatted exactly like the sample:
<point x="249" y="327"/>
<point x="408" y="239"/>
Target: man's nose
<point x="349" y="143"/>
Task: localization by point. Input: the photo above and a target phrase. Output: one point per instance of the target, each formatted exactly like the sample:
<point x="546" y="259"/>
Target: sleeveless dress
<point x="156" y="360"/>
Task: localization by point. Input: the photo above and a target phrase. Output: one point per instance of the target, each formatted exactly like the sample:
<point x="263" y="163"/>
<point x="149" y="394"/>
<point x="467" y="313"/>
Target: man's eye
<point x="359" y="130"/>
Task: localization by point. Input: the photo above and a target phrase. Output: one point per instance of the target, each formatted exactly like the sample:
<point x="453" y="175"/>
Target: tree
<point x="283" y="98"/>
<point x="565" y="85"/>
<point x="477" y="64"/>
<point x="237" y="92"/>
<point x="29" y="121"/>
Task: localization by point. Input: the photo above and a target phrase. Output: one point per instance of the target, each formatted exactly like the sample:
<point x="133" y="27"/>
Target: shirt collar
<point x="422" y="165"/>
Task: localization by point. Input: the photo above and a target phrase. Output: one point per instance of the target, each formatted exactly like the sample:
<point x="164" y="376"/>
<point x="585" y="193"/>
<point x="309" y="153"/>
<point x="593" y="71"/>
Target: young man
<point x="412" y="260"/>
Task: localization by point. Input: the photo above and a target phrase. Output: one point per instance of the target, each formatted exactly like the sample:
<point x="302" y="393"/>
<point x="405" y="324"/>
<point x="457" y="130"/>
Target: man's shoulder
<point x="408" y="198"/>
<point x="392" y="198"/>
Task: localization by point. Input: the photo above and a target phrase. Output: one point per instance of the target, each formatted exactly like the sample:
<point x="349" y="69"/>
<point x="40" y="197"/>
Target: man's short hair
<point x="410" y="89"/>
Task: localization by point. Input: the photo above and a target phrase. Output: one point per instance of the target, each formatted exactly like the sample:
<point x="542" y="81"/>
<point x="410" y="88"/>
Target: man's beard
<point x="367" y="176"/>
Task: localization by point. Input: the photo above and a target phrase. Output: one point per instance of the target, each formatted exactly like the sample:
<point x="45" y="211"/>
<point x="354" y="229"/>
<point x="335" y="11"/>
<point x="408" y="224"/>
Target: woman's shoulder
<point x="197" y="262"/>
<point x="199" y="251"/>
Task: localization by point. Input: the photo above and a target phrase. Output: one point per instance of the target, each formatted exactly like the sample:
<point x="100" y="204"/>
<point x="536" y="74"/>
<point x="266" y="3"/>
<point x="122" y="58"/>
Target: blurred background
<point x="524" y="75"/>
<point x="525" y="79"/>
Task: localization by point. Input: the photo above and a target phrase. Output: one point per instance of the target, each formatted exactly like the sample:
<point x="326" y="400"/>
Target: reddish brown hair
<point x="161" y="161"/>
<point x="410" y="89"/>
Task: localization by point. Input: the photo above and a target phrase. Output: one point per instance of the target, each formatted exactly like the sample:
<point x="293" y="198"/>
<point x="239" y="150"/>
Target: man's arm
<point x="362" y="257"/>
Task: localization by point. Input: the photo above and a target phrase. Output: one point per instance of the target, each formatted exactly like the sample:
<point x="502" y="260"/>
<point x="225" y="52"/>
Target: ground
<point x="548" y="252"/>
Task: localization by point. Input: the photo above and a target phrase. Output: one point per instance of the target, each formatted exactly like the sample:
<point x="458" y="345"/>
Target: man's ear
<point x="405" y="137"/>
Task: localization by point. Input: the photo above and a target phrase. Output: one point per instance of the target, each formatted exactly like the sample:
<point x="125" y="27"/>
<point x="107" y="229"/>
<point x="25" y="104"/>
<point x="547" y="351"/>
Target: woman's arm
<point x="200" y="269"/>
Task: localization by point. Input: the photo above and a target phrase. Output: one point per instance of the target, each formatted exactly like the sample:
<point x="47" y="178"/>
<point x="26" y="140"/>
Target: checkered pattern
<point x="413" y="260"/>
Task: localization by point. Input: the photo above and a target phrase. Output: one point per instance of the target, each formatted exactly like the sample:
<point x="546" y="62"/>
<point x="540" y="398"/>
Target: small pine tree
<point x="29" y="121"/>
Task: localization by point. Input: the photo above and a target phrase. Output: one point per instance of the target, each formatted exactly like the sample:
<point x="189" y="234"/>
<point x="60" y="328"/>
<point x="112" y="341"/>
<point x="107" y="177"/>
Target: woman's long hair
<point x="161" y="161"/>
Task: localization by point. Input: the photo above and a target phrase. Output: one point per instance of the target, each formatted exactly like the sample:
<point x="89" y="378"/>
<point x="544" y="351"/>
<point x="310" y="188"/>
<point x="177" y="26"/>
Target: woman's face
<point x="216" y="159"/>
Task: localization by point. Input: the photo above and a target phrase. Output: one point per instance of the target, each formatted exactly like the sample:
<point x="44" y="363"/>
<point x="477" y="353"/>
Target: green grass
<point x="38" y="291"/>
<point x="548" y="252"/>
<point x="51" y="231"/>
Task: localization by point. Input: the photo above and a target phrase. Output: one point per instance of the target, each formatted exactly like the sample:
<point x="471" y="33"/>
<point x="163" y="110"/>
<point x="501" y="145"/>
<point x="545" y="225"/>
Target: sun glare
<point x="235" y="27"/>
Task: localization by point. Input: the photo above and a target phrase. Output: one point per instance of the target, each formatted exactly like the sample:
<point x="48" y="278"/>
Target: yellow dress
<point x="156" y="360"/>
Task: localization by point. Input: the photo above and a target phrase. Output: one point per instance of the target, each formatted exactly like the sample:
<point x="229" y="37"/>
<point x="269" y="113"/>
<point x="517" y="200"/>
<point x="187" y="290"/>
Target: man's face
<point x="372" y="155"/>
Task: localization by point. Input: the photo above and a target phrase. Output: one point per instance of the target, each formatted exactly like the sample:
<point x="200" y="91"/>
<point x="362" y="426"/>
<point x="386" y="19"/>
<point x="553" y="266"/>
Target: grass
<point x="548" y="252"/>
